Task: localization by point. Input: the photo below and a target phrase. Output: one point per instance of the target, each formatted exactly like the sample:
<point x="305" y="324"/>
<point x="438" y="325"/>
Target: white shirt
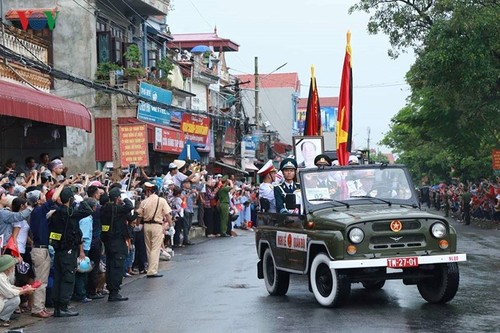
<point x="22" y="237"/>
<point x="266" y="191"/>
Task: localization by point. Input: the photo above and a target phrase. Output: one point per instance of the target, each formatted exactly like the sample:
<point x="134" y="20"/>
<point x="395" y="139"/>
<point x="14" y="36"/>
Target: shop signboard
<point x="195" y="128"/>
<point x="153" y="113"/>
<point x="168" y="140"/>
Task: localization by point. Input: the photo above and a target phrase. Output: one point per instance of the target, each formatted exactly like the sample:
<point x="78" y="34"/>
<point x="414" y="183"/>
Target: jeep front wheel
<point x="443" y="286"/>
<point x="277" y="281"/>
<point x="330" y="288"/>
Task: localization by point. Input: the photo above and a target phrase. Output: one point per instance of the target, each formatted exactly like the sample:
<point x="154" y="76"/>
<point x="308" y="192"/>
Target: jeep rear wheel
<point x="443" y="286"/>
<point x="373" y="285"/>
<point x="329" y="287"/>
<point x="277" y="281"/>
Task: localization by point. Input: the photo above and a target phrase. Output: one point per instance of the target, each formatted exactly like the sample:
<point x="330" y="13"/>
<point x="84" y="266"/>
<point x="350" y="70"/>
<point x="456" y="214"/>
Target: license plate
<point x="402" y="262"/>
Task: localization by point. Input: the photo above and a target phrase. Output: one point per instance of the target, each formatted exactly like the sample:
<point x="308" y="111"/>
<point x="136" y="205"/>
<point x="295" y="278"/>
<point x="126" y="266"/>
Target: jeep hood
<point x="365" y="213"/>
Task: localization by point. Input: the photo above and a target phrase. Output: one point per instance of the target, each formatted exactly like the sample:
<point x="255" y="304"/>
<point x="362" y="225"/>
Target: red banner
<point x="133" y="145"/>
<point x="168" y="140"/>
<point x="496" y="159"/>
<point x="313" y="125"/>
<point x="195" y="128"/>
<point x="230" y="138"/>
<point x="344" y="117"/>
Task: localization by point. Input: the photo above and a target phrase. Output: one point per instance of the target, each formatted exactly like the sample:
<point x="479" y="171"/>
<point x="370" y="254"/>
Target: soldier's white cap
<point x="267" y="168"/>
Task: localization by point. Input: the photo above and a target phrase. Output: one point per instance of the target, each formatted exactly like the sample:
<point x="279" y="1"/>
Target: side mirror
<point x="290" y="201"/>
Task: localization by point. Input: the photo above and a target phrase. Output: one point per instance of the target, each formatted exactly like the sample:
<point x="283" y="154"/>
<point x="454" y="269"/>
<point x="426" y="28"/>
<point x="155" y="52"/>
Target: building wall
<point x="74" y="51"/>
<point x="200" y="101"/>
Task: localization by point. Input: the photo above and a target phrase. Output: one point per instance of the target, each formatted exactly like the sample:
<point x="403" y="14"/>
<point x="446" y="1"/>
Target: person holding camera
<point x="154" y="213"/>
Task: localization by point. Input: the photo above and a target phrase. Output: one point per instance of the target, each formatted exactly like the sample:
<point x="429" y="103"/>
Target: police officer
<point x="114" y="217"/>
<point x="289" y="168"/>
<point x="266" y="187"/>
<point x="66" y="238"/>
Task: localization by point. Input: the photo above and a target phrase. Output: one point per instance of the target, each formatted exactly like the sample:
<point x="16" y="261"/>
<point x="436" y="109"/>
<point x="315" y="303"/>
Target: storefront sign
<point x="153" y="114"/>
<point x="195" y="128"/>
<point x="248" y="147"/>
<point x="168" y="140"/>
<point x="155" y="94"/>
<point x="133" y="145"/>
<point x="230" y="138"/>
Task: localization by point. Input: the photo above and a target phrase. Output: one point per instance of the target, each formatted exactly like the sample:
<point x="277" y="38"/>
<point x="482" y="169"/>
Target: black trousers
<point x="64" y="277"/>
<point x="116" y="252"/>
<point x="141" y="258"/>
<point x="208" y="216"/>
<point x="95" y="257"/>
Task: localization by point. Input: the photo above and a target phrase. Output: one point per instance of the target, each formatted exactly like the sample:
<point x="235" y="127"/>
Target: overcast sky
<point x="302" y="33"/>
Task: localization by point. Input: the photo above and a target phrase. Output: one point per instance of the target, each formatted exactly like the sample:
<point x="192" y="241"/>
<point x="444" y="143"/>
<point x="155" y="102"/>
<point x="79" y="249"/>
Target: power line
<point x="58" y="74"/>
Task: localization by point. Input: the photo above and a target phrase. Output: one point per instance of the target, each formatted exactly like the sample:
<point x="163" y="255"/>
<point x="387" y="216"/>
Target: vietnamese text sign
<point x="133" y="145"/>
<point x="153" y="114"/>
<point x="168" y="140"/>
<point x="154" y="93"/>
<point x="496" y="159"/>
<point x="195" y="128"/>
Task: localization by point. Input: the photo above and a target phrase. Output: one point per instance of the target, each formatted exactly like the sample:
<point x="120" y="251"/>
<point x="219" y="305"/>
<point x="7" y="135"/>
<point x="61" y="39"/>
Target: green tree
<point x="452" y="120"/>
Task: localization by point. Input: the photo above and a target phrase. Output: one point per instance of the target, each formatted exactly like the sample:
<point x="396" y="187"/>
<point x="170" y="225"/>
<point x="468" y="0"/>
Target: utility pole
<point x="114" y="131"/>
<point x="368" y="144"/>
<point x="256" y="92"/>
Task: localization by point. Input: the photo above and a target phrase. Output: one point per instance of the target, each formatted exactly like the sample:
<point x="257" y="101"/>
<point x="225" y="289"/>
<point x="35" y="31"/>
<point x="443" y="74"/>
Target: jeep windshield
<point x="356" y="185"/>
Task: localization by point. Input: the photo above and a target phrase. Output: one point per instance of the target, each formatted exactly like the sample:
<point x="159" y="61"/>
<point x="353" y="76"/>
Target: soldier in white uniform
<point x="266" y="188"/>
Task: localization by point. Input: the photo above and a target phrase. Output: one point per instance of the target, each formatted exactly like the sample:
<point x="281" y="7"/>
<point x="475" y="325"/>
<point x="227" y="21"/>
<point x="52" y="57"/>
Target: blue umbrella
<point x="189" y="152"/>
<point x="200" y="49"/>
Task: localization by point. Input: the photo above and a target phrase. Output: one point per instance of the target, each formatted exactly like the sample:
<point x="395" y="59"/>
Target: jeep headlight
<point x="438" y="230"/>
<point x="356" y="235"/>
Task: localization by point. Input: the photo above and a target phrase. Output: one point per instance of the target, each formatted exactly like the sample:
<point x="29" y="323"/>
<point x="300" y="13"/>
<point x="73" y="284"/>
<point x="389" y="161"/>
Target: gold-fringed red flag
<point x="312" y="125"/>
<point x="344" y="116"/>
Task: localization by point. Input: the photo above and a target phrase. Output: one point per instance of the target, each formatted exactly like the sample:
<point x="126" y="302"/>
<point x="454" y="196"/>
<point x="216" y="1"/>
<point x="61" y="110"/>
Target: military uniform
<point x="114" y="235"/>
<point x="66" y="238"/>
<point x="280" y="191"/>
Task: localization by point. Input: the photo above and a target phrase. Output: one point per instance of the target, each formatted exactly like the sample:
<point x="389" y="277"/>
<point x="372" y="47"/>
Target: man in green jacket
<point x="223" y="193"/>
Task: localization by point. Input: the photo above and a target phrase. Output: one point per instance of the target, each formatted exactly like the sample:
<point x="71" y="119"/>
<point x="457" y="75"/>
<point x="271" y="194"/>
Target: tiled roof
<point x="279" y="80"/>
<point x="188" y="41"/>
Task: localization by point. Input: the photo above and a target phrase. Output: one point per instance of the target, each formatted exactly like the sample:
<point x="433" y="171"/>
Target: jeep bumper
<point x="383" y="262"/>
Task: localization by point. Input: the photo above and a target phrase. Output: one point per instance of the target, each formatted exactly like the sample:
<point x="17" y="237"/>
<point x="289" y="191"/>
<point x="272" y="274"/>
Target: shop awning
<point x="23" y="102"/>
<point x="232" y="167"/>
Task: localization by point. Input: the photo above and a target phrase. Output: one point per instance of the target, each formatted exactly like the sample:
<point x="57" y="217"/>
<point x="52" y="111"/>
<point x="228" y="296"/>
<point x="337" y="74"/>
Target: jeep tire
<point x="443" y="286"/>
<point x="373" y="285"/>
<point x="330" y="288"/>
<point x="276" y="281"/>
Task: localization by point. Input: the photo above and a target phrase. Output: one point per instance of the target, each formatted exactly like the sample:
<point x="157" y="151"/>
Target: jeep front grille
<point x="386" y="226"/>
<point x="397" y="241"/>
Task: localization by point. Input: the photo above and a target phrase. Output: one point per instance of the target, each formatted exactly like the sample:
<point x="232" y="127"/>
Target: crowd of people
<point x="480" y="200"/>
<point x="69" y="236"/>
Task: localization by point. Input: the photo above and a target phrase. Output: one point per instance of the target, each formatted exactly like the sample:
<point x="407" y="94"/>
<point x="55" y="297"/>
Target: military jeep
<point x="357" y="224"/>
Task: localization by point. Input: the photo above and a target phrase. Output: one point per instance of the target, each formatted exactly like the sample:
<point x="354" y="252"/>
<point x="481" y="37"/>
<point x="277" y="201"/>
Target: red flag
<point x="12" y="246"/>
<point x="312" y="125"/>
<point x="344" y="116"/>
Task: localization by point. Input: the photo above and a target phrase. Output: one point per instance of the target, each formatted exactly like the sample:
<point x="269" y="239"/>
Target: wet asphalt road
<point x="212" y="287"/>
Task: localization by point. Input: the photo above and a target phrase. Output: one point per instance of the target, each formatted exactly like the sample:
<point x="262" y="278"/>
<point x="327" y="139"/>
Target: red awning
<point x="23" y="102"/>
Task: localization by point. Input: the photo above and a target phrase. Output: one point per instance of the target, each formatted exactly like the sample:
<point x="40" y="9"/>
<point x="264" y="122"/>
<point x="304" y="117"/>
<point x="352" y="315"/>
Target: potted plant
<point x="133" y="55"/>
<point x="103" y="70"/>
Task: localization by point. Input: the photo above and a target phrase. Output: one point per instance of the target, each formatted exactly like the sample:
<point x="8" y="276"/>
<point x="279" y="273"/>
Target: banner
<point x="195" y="128"/>
<point x="496" y="159"/>
<point x="344" y="117"/>
<point x="133" y="145"/>
<point x="168" y="140"/>
<point x="230" y="138"/>
<point x="312" y="125"/>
